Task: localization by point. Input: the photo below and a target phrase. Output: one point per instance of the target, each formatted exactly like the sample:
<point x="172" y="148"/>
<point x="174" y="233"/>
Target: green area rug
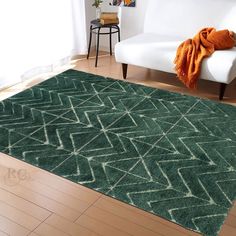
<point x="166" y="153"/>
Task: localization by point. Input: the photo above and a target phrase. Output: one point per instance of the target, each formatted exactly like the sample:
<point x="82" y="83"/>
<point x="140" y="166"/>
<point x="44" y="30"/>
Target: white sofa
<point x="167" y="24"/>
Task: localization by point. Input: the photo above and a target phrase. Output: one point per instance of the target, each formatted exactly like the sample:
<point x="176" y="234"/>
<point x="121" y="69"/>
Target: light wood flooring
<point x="34" y="202"/>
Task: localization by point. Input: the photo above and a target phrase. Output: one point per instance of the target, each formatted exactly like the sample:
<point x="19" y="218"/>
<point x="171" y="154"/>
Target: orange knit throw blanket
<point x="191" y="53"/>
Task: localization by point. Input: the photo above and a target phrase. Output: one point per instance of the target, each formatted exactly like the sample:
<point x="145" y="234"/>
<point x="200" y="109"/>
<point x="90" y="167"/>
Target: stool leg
<point x="110" y="41"/>
<point x="90" y="40"/>
<point x="97" y="51"/>
<point x="118" y="28"/>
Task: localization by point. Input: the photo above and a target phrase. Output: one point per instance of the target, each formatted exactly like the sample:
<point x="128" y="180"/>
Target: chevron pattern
<point x="169" y="154"/>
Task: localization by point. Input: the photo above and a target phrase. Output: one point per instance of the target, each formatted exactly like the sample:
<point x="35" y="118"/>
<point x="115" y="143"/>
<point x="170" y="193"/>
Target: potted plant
<point x="98" y="9"/>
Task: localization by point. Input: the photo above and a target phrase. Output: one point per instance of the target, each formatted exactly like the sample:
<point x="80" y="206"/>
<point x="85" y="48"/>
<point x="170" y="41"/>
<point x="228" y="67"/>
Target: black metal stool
<point x="95" y="28"/>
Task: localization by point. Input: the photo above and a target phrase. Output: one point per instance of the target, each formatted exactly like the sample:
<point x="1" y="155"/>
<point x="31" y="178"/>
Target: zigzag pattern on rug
<point x="166" y="153"/>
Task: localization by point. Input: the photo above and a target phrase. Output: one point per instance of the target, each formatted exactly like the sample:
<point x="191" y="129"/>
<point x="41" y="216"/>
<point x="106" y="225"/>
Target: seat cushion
<point x="158" y="52"/>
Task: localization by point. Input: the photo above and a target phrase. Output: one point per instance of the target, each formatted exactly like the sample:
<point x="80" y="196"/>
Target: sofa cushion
<point x="186" y="17"/>
<point x="158" y="52"/>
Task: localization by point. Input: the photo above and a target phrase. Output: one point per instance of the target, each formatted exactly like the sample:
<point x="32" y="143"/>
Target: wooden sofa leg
<point x="124" y="69"/>
<point x="222" y="90"/>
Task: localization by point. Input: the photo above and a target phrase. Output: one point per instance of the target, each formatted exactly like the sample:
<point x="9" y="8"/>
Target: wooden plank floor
<point x="34" y="202"/>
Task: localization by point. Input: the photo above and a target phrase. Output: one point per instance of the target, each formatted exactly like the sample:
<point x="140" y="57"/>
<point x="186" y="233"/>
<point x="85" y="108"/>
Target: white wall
<point x="104" y="40"/>
<point x="90" y="15"/>
<point x="132" y="20"/>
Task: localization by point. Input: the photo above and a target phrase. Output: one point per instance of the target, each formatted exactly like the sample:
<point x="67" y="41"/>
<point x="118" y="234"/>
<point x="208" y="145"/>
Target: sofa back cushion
<point x="186" y="17"/>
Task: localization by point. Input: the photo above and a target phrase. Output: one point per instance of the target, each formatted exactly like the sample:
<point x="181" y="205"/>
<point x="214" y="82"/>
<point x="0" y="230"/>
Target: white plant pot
<point x="98" y="13"/>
